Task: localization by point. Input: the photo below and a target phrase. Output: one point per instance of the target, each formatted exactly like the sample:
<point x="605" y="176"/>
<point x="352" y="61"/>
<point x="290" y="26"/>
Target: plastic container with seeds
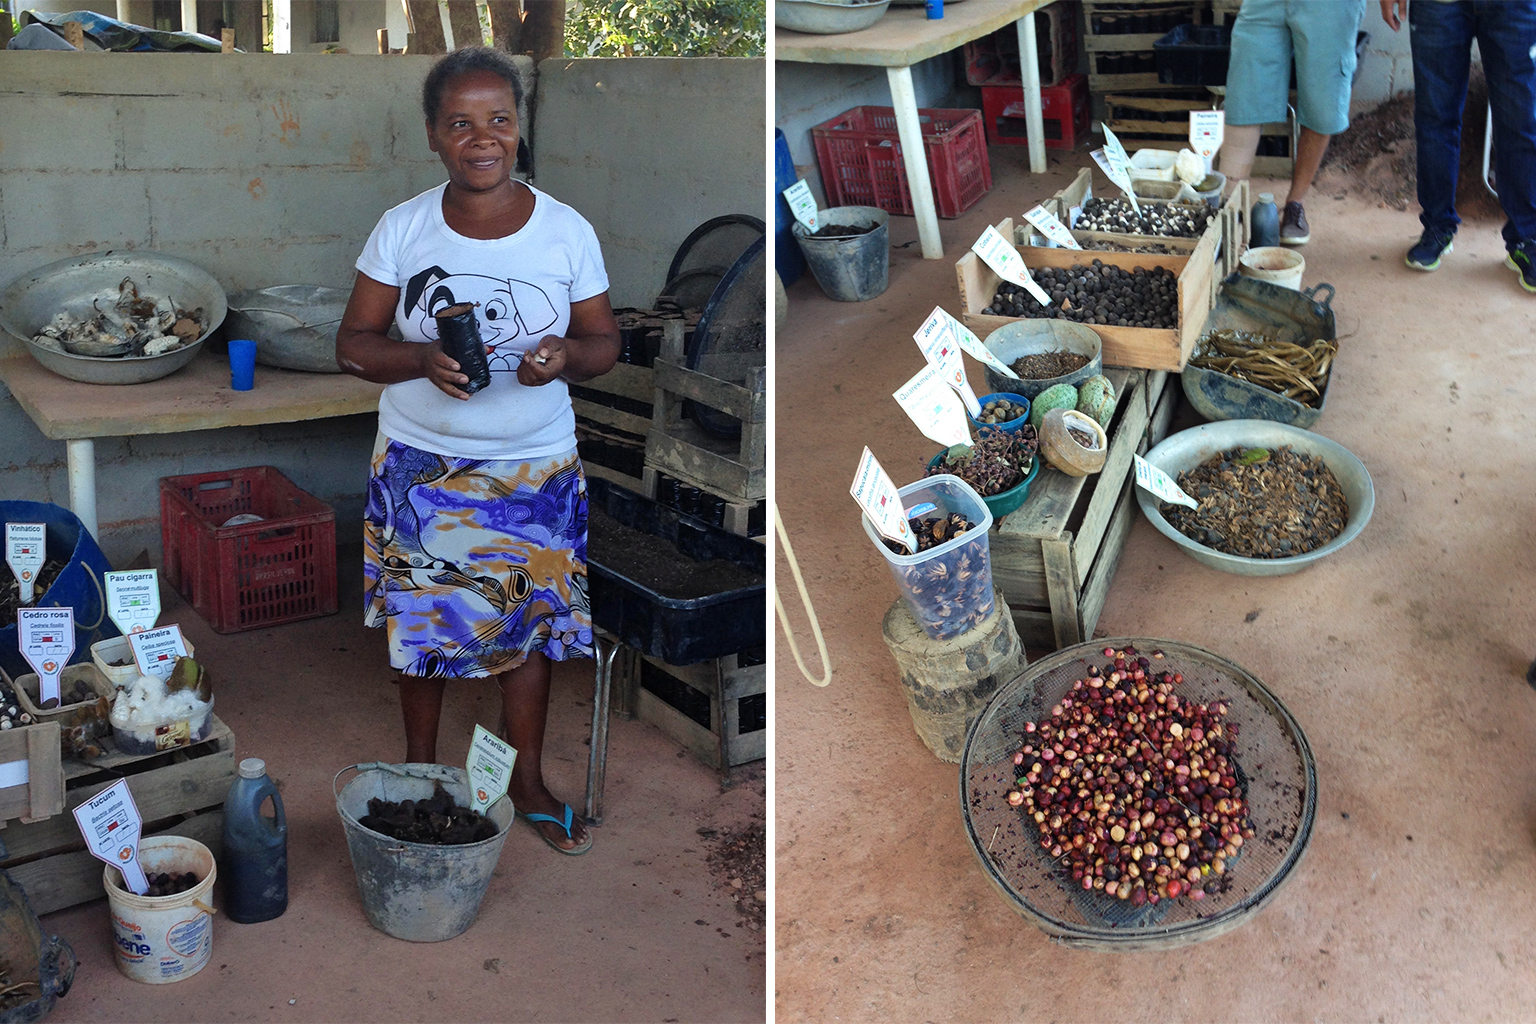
<point x="27" y="695"/>
<point x="949" y="586"/>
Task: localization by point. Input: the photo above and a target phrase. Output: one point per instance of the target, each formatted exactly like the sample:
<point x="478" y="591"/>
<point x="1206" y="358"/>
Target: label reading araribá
<point x="1161" y="484"/>
<point x="490" y="768"/>
<point x="877" y="496"/>
<point x="156" y="650"/>
<point x="1003" y="258"/>
<point x="133" y="599"/>
<point x="25" y="545"/>
<point x="802" y="204"/>
<point x="47" y="639"/>
<point x="111" y="826"/>
<point x="932" y="404"/>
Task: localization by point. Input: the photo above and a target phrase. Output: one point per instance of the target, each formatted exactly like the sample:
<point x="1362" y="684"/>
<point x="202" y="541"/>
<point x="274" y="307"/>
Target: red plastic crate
<point x="860" y="159"/>
<point x="241" y="577"/>
<point x="1064" y="108"/>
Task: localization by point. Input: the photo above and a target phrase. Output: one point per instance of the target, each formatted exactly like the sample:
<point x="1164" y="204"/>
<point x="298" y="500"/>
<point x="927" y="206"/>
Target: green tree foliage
<point x="666" y="28"/>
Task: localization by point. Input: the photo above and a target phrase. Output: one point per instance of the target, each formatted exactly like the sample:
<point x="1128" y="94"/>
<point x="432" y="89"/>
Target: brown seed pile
<point x="1132" y="790"/>
<point x="170" y="884"/>
<point x="1045" y="365"/>
<point x="949" y="593"/>
<point x="1258" y="503"/>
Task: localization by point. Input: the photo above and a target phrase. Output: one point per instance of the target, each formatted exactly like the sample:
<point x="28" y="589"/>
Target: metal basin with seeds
<point x="1277" y="772"/>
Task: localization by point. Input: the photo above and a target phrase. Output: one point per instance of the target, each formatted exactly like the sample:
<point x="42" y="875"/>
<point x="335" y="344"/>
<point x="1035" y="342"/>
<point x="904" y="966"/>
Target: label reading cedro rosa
<point x="47" y="639"/>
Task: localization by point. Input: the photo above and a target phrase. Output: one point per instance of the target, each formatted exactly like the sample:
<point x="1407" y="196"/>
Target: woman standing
<point x="476" y="526"/>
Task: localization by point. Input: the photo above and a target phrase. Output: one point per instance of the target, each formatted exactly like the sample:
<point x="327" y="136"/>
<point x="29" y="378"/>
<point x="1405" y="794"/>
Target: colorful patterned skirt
<point x="472" y="564"/>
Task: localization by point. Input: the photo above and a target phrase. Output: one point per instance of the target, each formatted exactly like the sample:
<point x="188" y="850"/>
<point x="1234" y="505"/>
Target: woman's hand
<point x="364" y="348"/>
<point x="441" y="370"/>
<point x="589" y="349"/>
<point x="543" y="363"/>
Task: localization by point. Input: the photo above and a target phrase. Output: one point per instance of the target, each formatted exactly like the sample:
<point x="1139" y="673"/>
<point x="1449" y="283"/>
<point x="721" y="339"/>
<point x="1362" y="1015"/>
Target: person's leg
<point x="421" y="705"/>
<point x="1309" y="156"/>
<point x="1506" y="37"/>
<point x="524" y="711"/>
<point x="1257" y="77"/>
<point x="1323" y="35"/>
<point x="1440" y="36"/>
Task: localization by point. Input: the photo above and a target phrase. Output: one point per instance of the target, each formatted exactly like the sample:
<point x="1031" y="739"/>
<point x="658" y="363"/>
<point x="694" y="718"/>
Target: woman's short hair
<point x="463" y="62"/>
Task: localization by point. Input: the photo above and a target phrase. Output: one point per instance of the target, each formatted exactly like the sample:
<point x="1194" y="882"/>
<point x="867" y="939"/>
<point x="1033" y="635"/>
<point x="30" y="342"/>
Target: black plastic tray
<point x="678" y="631"/>
<point x="1194" y="55"/>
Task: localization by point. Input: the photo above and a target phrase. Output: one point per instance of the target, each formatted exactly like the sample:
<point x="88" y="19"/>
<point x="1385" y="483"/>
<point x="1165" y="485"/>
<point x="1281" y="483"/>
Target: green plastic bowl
<point x="1007" y="501"/>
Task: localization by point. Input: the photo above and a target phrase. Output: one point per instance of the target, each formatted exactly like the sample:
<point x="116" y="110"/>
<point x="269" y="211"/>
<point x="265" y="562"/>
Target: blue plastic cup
<point x="242" y="364"/>
<point x="935" y="9"/>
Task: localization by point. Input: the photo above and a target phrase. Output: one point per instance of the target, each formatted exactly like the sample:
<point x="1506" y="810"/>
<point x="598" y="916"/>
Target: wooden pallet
<point x="724" y="682"/>
<point x="1055" y="557"/>
<point x="179" y="792"/>
<point x="596" y="416"/>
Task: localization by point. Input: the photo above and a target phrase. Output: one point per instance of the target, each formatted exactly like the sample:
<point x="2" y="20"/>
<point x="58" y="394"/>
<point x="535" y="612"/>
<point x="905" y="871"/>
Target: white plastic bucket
<point x="1275" y="264"/>
<point x="118" y="648"/>
<point x="161" y="939"/>
<point x="1153" y="164"/>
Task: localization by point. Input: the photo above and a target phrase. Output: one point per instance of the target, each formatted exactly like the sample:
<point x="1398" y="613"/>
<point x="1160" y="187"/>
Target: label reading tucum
<point x="111" y="825"/>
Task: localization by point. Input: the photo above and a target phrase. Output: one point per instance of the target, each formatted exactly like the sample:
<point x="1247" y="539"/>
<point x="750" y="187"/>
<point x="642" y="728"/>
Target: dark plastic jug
<point x="255" y="868"/>
<point x="1265" y="221"/>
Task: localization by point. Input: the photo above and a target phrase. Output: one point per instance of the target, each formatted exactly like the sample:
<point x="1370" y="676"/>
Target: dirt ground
<point x="1403" y="657"/>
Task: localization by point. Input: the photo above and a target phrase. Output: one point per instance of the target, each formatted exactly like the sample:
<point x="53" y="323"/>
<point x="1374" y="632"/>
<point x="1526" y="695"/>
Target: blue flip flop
<point x="565" y="823"/>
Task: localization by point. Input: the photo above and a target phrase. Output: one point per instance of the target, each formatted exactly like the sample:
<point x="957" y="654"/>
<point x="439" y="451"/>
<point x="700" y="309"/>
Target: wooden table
<point x="197" y="397"/>
<point x="905" y="37"/>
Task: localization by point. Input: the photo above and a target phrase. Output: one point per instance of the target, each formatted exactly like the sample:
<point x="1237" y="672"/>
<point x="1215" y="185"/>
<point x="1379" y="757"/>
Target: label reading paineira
<point x="47" y="639"/>
<point x="111" y="825"/>
<point x="1207" y="128"/>
<point x="996" y="252"/>
<point x="490" y="768"/>
<point x="133" y="599"/>
<point x="802" y="204"/>
<point x="940" y="346"/>
<point x="156" y="650"/>
<point x="934" y="407"/>
<point x="25" y="545"/>
<point x="1161" y="484"/>
<point x="877" y="496"/>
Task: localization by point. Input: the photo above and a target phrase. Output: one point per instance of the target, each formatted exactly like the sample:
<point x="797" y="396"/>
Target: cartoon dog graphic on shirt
<point x="508" y="310"/>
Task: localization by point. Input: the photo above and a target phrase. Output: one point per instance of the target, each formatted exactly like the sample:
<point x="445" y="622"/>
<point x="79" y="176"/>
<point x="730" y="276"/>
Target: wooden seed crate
<point x="179" y="792"/>
<point x="1056" y="555"/>
<point x="42" y="794"/>
<point x="1145" y="347"/>
<point x="597" y="416"/>
<point x="735" y="469"/>
<point x="724" y="682"/>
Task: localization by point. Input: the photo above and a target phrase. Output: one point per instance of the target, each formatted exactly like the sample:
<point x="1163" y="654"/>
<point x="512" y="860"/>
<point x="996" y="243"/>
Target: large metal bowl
<point x="31" y="299"/>
<point x="1188" y="448"/>
<point x="827" y="19"/>
<point x="293" y="325"/>
<point x="1011" y="342"/>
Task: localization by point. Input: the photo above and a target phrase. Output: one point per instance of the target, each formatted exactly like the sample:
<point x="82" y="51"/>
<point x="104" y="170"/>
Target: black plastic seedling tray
<point x="678" y="631"/>
<point x="1194" y="55"/>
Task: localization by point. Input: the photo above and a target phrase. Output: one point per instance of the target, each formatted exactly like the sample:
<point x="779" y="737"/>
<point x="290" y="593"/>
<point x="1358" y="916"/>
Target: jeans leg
<point x="1440" y="36"/>
<point x="1506" y="37"/>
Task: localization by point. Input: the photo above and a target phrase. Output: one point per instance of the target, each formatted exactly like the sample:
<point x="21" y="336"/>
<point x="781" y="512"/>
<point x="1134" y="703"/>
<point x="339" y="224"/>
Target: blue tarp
<point x="121" y="36"/>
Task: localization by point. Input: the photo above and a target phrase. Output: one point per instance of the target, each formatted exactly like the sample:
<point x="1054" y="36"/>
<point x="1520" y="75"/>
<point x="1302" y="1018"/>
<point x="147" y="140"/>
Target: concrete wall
<point x="273" y="169"/>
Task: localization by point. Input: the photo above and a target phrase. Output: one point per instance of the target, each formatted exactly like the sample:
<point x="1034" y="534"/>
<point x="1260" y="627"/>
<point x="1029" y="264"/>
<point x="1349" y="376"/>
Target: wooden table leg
<point x="915" y="158"/>
<point x="1034" y="121"/>
<point x="80" y="454"/>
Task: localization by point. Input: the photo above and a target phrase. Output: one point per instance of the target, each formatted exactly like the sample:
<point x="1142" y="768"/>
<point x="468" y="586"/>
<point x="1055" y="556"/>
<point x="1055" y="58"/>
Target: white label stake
<point x="941" y="348"/>
<point x="111" y="825"/>
<point x="490" y="768"/>
<point x="999" y="254"/>
<point x="973" y="345"/>
<point x="156" y="650"/>
<point x="931" y="403"/>
<point x="1207" y="128"/>
<point x="802" y="204"/>
<point x="1161" y="484"/>
<point x="47" y="637"/>
<point x="879" y="499"/>
<point x="24" y="549"/>
<point x="1116" y="164"/>
<point x="1051" y="227"/>
<point x="133" y="599"/>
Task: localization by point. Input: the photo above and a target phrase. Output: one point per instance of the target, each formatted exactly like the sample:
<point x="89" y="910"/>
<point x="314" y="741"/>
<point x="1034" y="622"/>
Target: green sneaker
<point x="1522" y="260"/>
<point x="1426" y="254"/>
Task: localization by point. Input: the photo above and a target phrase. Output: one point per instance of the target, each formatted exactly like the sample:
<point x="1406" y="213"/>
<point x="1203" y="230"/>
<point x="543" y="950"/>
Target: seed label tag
<point x="1161" y="484"/>
<point x="1051" y="227"/>
<point x="47" y="639"/>
<point x="111" y="825"/>
<point x="1116" y="164"/>
<point x="156" y="650"/>
<point x="490" y="768"/>
<point x="973" y="345"/>
<point x="1206" y="130"/>
<point x="941" y="348"/>
<point x="931" y="403"/>
<point x="24" y="549"/>
<point x="878" y="497"/>
<point x="133" y="599"/>
<point x="802" y="204"/>
<point x="1003" y="258"/>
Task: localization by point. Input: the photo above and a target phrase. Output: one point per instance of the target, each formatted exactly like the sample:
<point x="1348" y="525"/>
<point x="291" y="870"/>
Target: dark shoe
<point x="1522" y="260"/>
<point x="1426" y="255"/>
<point x="1293" y="226"/>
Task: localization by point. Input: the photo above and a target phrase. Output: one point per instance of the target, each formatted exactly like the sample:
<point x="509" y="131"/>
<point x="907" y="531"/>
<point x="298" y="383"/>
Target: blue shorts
<point x="1321" y="33"/>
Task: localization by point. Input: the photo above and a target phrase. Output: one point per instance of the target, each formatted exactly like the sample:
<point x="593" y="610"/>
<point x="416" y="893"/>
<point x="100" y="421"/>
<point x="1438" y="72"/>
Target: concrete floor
<point x="1403" y="658"/>
<point x="638" y="929"/>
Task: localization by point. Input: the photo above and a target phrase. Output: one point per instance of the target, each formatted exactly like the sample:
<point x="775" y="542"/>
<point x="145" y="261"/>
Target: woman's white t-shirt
<point x="524" y="285"/>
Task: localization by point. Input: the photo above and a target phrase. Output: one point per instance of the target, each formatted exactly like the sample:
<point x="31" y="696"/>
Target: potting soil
<point x="655" y="563"/>
<point x="436" y="821"/>
<point x="10" y="589"/>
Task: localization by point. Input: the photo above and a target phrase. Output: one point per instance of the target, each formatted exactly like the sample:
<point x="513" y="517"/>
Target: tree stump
<point x="948" y="682"/>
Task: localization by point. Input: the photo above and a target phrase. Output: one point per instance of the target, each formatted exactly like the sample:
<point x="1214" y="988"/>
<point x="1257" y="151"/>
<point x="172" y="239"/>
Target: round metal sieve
<point x="1276" y="770"/>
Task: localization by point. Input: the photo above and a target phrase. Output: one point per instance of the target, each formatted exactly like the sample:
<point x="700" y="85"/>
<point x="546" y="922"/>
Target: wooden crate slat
<point x="1061" y="582"/>
<point x="625" y="380"/>
<point x="1122" y="42"/>
<point x="1129" y="80"/>
<point x="622" y="479"/>
<point x="1135" y="414"/>
<point x="731" y="399"/>
<point x="1096" y="587"/>
<point x="617" y="418"/>
<point x="219" y="737"/>
<point x="43" y="792"/>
